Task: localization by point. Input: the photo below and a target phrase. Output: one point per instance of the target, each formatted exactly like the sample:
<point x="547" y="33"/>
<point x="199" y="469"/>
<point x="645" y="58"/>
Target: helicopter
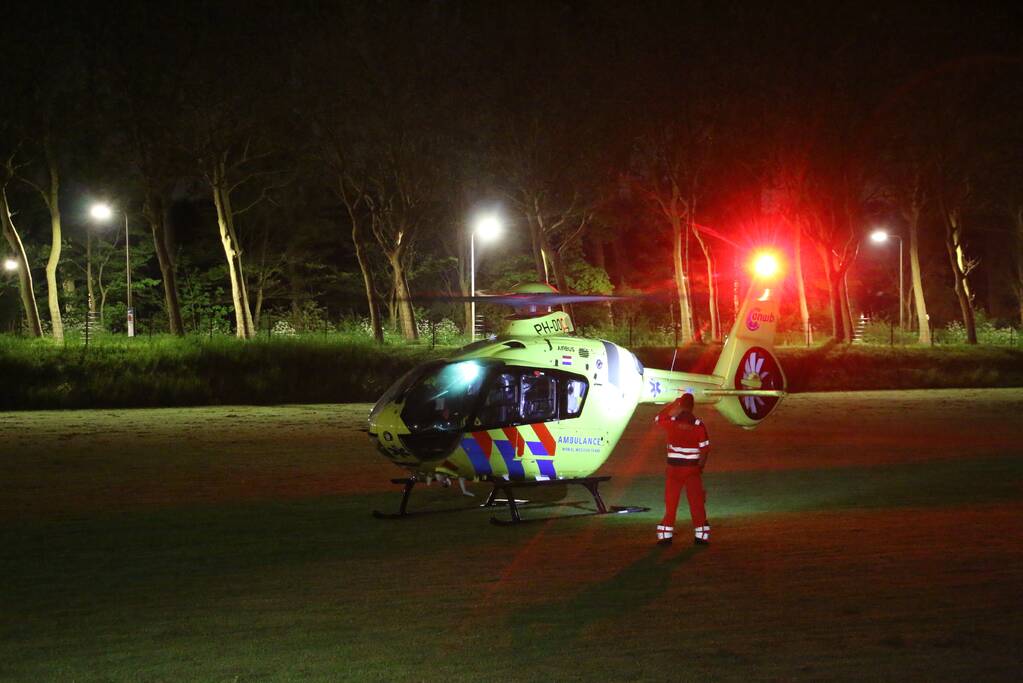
<point x="537" y="405"/>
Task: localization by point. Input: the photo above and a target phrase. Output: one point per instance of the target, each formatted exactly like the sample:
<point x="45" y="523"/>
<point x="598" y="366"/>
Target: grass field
<point x="875" y="535"/>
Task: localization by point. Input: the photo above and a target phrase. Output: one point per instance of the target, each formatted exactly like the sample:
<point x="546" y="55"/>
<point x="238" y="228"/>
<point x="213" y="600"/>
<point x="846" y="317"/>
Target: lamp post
<point x="489" y="227"/>
<point x="10" y="265"/>
<point x="102" y="212"/>
<point x="880" y="236"/>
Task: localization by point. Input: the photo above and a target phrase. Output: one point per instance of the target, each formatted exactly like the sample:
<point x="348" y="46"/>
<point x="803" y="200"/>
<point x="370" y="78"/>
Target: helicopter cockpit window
<point x="575" y="393"/>
<point x="539" y="399"/>
<point x="515" y="396"/>
<point x="444" y="399"/>
<point x="501" y="405"/>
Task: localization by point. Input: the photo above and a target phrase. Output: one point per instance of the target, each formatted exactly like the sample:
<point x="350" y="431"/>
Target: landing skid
<point x="591" y="484"/>
<point x="507" y="487"/>
<point x="409" y="483"/>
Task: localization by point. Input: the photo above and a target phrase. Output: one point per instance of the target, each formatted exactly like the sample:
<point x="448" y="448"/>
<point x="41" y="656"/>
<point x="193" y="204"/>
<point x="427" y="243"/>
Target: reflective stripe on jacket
<point x="687" y="438"/>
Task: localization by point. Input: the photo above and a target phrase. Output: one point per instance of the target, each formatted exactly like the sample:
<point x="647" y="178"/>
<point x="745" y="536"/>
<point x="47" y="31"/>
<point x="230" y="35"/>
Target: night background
<point x="309" y="189"/>
<point x="595" y="130"/>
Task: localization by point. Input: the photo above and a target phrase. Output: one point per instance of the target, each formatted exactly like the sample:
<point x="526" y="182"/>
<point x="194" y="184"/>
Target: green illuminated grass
<point x="853" y="533"/>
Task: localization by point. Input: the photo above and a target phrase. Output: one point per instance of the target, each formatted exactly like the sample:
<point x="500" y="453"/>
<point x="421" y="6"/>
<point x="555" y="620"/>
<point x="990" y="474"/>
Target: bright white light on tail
<point x="765" y="264"/>
<point x="10" y="264"/>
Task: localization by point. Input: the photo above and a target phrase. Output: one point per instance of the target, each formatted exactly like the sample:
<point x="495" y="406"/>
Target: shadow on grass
<point x="547" y="630"/>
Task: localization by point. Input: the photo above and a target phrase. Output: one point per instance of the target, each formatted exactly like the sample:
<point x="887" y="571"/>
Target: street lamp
<point x="10" y="265"/>
<point x="880" y="236"/>
<point x="489" y="227"/>
<point x="102" y="212"/>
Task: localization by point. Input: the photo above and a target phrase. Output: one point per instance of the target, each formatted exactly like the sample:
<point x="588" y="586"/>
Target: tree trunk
<point x="154" y="213"/>
<point x="960" y="271"/>
<point x="52" y="292"/>
<point x="834" y="298"/>
<point x="88" y="273"/>
<point x="1019" y="262"/>
<point x="687" y="333"/>
<point x="375" y="324"/>
<point x="922" y="319"/>
<point x="465" y="288"/>
<point x="600" y="261"/>
<point x="403" y="298"/>
<point x="712" y="289"/>
<point x="804" y="310"/>
<point x="536" y="246"/>
<point x="834" y="279"/>
<point x="233" y="254"/>
<point x="618" y="254"/>
<point x="847" y="321"/>
<point x="560" y="279"/>
<point x="25" y="287"/>
<point x="257" y="309"/>
<point x="102" y="293"/>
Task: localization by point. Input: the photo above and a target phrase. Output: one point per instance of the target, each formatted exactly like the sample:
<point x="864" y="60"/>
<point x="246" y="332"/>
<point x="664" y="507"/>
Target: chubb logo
<point x="755" y="317"/>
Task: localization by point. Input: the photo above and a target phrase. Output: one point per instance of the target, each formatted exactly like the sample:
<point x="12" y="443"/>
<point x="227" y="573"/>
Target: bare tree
<point x="1017" y="231"/>
<point x="673" y="162"/>
<point x="25" y="286"/>
<point x="49" y="191"/>
<point x="911" y="201"/>
<point x="549" y="179"/>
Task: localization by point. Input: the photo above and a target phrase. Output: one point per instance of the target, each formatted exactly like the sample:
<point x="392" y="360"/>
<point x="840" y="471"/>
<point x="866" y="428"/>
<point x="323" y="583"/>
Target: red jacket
<point x="688" y="441"/>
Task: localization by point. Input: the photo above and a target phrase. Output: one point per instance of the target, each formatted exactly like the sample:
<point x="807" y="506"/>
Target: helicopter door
<point x="539" y="401"/>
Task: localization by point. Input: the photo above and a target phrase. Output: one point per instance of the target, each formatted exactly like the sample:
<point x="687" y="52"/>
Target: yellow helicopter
<point x="538" y="406"/>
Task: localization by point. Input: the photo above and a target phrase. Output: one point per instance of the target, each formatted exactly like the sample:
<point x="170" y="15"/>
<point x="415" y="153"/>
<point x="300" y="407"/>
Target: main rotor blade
<point x="524" y="299"/>
<point x="540" y="299"/>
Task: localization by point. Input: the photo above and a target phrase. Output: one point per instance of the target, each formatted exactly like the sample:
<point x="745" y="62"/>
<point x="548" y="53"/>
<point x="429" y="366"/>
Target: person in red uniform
<point x="688" y="447"/>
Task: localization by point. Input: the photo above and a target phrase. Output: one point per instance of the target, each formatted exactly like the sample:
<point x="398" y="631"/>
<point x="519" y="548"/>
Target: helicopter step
<point x="507" y="487"/>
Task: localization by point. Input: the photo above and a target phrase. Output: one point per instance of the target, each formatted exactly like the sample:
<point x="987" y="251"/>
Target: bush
<point x="987" y="332"/>
<point x="169" y="371"/>
<point x="444" y="332"/>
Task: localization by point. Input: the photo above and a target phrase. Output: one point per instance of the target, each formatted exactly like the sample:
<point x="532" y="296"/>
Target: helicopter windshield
<point x="445" y="398"/>
<point x="395" y="391"/>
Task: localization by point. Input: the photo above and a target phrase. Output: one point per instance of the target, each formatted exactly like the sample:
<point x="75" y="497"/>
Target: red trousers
<point x="677" y="477"/>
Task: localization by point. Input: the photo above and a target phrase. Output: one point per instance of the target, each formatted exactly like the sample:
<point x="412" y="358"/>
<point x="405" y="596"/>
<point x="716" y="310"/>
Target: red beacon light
<point x="766" y="265"/>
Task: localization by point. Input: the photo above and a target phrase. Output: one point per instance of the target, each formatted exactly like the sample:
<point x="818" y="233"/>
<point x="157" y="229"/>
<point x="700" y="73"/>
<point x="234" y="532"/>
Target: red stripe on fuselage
<point x="545" y="437"/>
<point x="484" y="441"/>
<point x="516" y="439"/>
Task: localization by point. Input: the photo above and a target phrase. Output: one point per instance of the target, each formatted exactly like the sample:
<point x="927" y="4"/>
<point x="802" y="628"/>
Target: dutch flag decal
<point x="566" y="360"/>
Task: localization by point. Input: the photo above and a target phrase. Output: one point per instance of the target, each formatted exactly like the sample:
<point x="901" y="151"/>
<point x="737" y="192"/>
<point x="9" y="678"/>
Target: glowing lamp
<point x="765" y="265"/>
<point x="489" y="227"/>
<point x="10" y="264"/>
<point x="101" y="212"/>
<point x="879" y="236"/>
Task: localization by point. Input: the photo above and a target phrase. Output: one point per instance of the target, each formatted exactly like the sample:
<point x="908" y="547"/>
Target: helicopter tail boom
<point x="747" y="382"/>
